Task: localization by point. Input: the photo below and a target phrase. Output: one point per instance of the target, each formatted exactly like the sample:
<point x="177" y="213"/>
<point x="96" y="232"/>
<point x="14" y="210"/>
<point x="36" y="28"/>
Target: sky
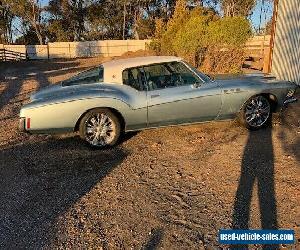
<point x="267" y="12"/>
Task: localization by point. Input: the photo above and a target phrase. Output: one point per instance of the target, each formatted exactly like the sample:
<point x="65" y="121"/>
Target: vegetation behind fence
<point x="201" y="36"/>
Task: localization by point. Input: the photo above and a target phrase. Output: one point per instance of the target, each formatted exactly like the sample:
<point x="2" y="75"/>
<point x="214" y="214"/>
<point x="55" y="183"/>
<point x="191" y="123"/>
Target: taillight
<point x="28" y="123"/>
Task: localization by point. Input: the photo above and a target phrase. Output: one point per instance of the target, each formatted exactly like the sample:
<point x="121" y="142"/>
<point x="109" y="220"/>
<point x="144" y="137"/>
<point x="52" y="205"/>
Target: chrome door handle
<point x="154" y="96"/>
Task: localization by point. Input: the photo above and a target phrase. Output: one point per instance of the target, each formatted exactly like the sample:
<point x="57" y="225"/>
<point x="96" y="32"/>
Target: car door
<point x="176" y="95"/>
<point x="134" y="85"/>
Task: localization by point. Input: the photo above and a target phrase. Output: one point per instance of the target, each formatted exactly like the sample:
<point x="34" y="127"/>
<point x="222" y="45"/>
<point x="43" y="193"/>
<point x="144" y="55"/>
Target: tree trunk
<point x="39" y="37"/>
<point x="135" y="25"/>
<point x="37" y="32"/>
<point x="35" y="26"/>
<point x="9" y="31"/>
<point x="124" y="20"/>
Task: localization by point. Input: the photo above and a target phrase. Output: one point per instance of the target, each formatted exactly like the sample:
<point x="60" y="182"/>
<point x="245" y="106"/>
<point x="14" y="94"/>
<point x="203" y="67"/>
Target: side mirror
<point x="196" y="85"/>
<point x="212" y="77"/>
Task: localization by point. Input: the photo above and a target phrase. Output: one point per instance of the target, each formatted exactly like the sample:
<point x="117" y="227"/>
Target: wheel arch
<point x="270" y="97"/>
<point x="113" y="110"/>
<point x="273" y="103"/>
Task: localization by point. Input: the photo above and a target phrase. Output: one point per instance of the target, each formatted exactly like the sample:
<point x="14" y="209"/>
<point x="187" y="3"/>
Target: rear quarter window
<point x="134" y="77"/>
<point x="94" y="75"/>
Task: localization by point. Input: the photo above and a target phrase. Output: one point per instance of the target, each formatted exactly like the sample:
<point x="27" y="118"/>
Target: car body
<point x="147" y="92"/>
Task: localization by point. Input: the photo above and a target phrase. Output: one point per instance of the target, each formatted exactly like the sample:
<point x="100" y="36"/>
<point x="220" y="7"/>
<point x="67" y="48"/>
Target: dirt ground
<point x="169" y="188"/>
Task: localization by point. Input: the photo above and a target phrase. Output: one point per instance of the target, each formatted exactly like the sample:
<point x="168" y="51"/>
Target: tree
<point x="28" y="10"/>
<point x="225" y="45"/>
<point x="77" y="20"/>
<point x="28" y="37"/>
<point x="192" y="39"/>
<point x="145" y="27"/>
<point x="237" y="7"/>
<point x="110" y="19"/>
<point x="174" y="24"/>
<point x="5" y="23"/>
<point x="67" y="19"/>
<point x="78" y="12"/>
<point x="122" y="19"/>
<point x="105" y="20"/>
<point x="202" y="37"/>
<point x="268" y="27"/>
<point x="136" y="18"/>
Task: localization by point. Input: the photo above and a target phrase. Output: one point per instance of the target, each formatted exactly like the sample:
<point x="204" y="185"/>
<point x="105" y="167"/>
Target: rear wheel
<point x="100" y="128"/>
<point x="256" y="113"/>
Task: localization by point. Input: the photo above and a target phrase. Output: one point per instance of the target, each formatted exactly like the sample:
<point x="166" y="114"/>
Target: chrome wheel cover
<point x="257" y="111"/>
<point x="100" y="130"/>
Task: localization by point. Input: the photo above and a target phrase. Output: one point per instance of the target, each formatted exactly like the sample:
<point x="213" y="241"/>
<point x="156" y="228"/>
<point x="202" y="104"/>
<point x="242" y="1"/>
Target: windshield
<point x="203" y="76"/>
<point x="94" y="75"/>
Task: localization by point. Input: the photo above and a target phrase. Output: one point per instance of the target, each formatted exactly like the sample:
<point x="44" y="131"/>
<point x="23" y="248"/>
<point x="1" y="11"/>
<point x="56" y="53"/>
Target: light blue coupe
<point x="149" y="92"/>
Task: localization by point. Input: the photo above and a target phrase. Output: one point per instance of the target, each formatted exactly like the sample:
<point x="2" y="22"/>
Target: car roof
<point x="113" y="69"/>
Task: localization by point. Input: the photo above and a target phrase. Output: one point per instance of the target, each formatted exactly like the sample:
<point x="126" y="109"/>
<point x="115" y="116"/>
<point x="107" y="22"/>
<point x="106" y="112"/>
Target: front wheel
<point x="256" y="113"/>
<point x="100" y="128"/>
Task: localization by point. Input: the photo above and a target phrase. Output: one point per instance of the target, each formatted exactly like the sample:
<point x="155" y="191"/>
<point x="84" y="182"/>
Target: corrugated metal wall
<point x="286" y="53"/>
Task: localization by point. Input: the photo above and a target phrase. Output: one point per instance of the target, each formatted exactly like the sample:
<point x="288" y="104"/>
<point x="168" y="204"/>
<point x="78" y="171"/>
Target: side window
<point x="94" y="75"/>
<point x="134" y="78"/>
<point x="169" y="75"/>
<point x="158" y="76"/>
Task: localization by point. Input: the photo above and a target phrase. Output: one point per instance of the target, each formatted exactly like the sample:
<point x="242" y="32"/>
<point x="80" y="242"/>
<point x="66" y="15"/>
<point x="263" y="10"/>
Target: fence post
<point x="69" y="50"/>
<point x="48" y="54"/>
<point x="4" y="55"/>
<point x="266" y="61"/>
<point x="26" y="53"/>
<point x="107" y="48"/>
<point x="262" y="48"/>
<point x="90" y="49"/>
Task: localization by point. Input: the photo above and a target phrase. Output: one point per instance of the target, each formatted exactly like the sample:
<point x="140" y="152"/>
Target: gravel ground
<point x="169" y="188"/>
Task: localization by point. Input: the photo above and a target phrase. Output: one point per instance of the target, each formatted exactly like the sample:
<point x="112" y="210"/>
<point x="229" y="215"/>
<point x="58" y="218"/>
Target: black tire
<point x="86" y="124"/>
<point x="245" y="113"/>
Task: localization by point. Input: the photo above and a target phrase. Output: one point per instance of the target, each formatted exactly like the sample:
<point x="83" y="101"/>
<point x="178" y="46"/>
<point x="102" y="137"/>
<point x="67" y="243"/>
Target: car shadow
<point x="257" y="168"/>
<point x="53" y="68"/>
<point x="42" y="180"/>
<point x="38" y="70"/>
<point x="154" y="240"/>
<point x="127" y="136"/>
<point x="71" y="68"/>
